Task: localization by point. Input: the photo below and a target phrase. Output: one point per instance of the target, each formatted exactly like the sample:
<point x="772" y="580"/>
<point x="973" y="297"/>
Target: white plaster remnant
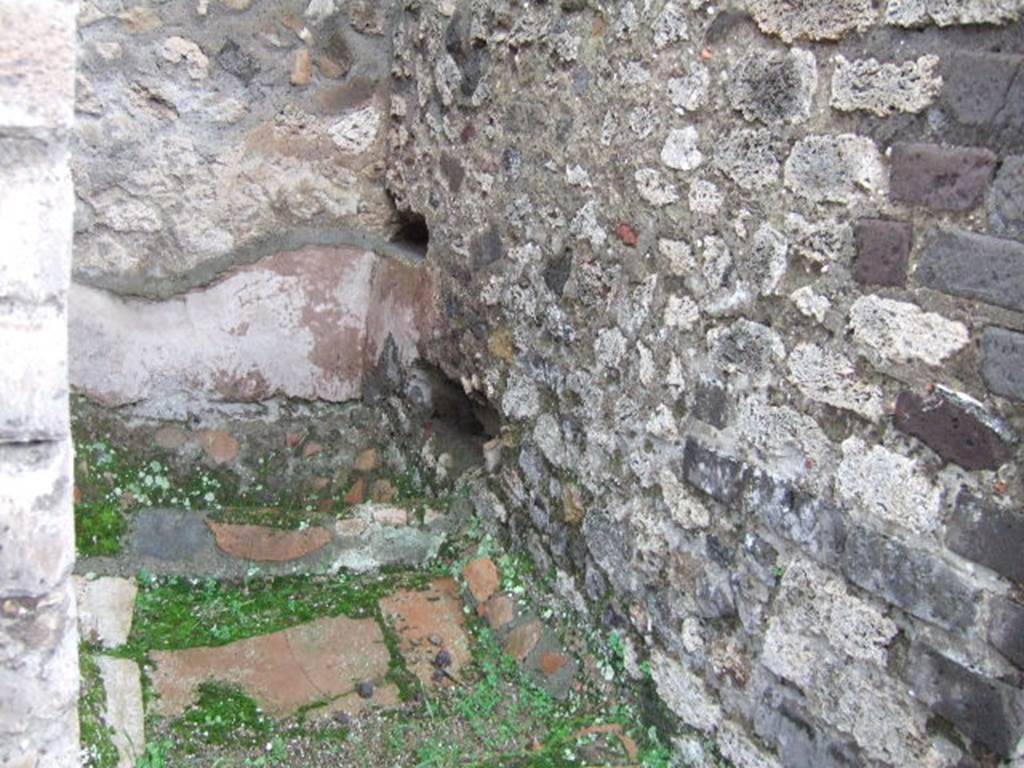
<point x="888" y="487"/>
<point x="882" y="89"/>
<point x="900" y="332"/>
<point x="298" y="323"/>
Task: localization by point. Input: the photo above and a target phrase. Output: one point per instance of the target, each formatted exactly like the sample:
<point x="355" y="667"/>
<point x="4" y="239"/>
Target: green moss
<point x="99" y="527"/>
<point x="223" y="714"/>
<point x="178" y="612"/>
<point x="97" y="743"/>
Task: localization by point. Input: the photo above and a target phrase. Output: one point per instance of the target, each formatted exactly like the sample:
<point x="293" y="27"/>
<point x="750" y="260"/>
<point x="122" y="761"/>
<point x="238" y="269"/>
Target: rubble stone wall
<point x="38" y="636"/>
<point x="745" y="281"/>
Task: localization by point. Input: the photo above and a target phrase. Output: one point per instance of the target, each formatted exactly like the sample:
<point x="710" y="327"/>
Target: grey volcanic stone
<point x="952" y="432"/>
<point x="813" y="524"/>
<point x="774" y="88"/>
<point x="710" y="402"/>
<point x="236" y="61"/>
<point x="718" y="476"/>
<point x="1006" y="629"/>
<point x="1006" y="200"/>
<point x="171" y="535"/>
<point x="987" y="710"/>
<point x="883" y="249"/>
<point x="984" y="94"/>
<point x="911" y="578"/>
<point x="944" y="178"/>
<point x="989" y="535"/>
<point x="780" y="719"/>
<point x="1002" y="362"/>
<point x="980" y="267"/>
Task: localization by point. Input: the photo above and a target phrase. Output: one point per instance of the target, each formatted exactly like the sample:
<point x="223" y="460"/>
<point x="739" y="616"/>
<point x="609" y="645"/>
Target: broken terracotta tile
<point x="170" y="437"/>
<point x="384" y="697"/>
<point x="221" y="447"/>
<point x="499" y="611"/>
<point x="522" y="640"/>
<point x="383" y="491"/>
<point x="258" y="542"/>
<point x="357" y="493"/>
<point x="282" y="671"/>
<point x="482" y="578"/>
<point x="427" y="622"/>
<point x="550" y="663"/>
<point x="367" y="460"/>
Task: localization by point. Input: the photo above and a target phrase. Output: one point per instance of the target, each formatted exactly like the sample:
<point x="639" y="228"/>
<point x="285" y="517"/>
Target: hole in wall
<point x="412" y="233"/>
<point x="450" y="406"/>
<point x="459" y="423"/>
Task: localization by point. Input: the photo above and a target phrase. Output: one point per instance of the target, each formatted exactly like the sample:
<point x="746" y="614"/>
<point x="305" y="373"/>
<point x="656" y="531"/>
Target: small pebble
<point x="443" y="660"/>
<point x="365" y="690"/>
<point x="342" y="718"/>
<point x="436" y="640"/>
